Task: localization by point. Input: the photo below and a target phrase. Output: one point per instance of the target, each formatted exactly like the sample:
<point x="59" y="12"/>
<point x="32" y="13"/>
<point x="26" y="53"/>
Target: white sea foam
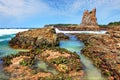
<point x="10" y="31"/>
<point x="4" y="39"/>
<point x="88" y="32"/>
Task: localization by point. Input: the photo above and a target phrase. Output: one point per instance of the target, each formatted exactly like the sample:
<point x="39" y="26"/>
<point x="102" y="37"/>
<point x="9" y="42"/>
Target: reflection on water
<point x="74" y="45"/>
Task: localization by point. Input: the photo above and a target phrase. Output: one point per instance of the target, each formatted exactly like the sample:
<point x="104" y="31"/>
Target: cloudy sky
<point x="37" y="13"/>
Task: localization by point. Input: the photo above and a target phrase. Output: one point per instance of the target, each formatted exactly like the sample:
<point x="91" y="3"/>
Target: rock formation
<point x="89" y="20"/>
<point x="42" y="37"/>
<point x="104" y="51"/>
<point x="63" y="63"/>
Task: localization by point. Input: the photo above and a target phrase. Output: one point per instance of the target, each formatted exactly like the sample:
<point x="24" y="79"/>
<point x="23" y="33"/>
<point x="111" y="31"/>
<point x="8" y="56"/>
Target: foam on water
<point x="5" y="36"/>
<point x="5" y="49"/>
<point x="10" y="31"/>
<point x="87" y="32"/>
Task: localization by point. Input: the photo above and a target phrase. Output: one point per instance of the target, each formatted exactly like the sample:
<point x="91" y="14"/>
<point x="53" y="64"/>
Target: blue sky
<point x="37" y="13"/>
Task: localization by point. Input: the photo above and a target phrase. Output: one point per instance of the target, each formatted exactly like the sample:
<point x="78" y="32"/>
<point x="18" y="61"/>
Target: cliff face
<point x="35" y="38"/>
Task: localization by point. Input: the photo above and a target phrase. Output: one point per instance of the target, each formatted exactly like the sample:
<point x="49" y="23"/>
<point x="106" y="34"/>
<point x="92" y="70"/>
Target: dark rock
<point x="62" y="36"/>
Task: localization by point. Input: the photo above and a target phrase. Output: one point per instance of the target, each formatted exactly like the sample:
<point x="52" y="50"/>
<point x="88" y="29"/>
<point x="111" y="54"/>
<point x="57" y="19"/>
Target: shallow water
<point x="92" y="73"/>
<point x="74" y="45"/>
<point x="5" y="49"/>
<point x="42" y="65"/>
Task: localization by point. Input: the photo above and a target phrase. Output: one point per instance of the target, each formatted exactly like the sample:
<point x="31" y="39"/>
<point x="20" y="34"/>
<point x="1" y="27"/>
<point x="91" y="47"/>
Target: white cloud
<point x="19" y="8"/>
<point x="77" y="6"/>
<point x="66" y="8"/>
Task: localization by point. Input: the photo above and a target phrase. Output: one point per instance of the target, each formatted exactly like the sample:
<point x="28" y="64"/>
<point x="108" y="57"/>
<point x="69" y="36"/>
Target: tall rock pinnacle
<point x="89" y="18"/>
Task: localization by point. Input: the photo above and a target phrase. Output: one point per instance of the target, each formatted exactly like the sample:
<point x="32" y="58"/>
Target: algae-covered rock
<point x="23" y="65"/>
<point x="104" y="51"/>
<point x="42" y="37"/>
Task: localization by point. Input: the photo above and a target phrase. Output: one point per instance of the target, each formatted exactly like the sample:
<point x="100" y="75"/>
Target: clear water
<point x="92" y="73"/>
<point x="74" y="45"/>
<point x="42" y="65"/>
<point x="5" y="49"/>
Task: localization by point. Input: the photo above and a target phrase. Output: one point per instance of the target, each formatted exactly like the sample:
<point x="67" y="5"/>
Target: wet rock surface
<point x="67" y="64"/>
<point x="35" y="38"/>
<point x="62" y="36"/>
<point x="104" y="51"/>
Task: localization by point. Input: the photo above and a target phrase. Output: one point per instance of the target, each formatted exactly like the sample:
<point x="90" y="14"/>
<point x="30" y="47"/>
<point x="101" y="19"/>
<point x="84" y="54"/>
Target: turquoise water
<point x="92" y="73"/>
<point x="5" y="49"/>
<point x="74" y="45"/>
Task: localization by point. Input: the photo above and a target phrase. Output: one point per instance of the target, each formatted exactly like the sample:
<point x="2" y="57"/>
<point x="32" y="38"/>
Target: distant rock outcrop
<point x="89" y="21"/>
<point x="89" y="18"/>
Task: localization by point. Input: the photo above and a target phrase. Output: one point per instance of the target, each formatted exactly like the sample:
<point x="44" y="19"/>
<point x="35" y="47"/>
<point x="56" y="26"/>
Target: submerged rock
<point x="65" y="62"/>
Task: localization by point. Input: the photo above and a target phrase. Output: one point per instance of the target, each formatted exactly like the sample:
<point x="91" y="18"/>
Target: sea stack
<point x="89" y="20"/>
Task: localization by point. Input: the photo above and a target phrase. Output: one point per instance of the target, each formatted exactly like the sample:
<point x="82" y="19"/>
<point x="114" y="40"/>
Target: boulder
<point x="42" y="37"/>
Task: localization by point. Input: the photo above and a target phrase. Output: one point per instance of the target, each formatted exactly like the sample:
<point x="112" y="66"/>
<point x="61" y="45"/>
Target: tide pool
<point x="74" y="45"/>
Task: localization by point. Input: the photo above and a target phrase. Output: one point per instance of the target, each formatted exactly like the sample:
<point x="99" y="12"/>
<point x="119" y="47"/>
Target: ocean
<point x="5" y="36"/>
